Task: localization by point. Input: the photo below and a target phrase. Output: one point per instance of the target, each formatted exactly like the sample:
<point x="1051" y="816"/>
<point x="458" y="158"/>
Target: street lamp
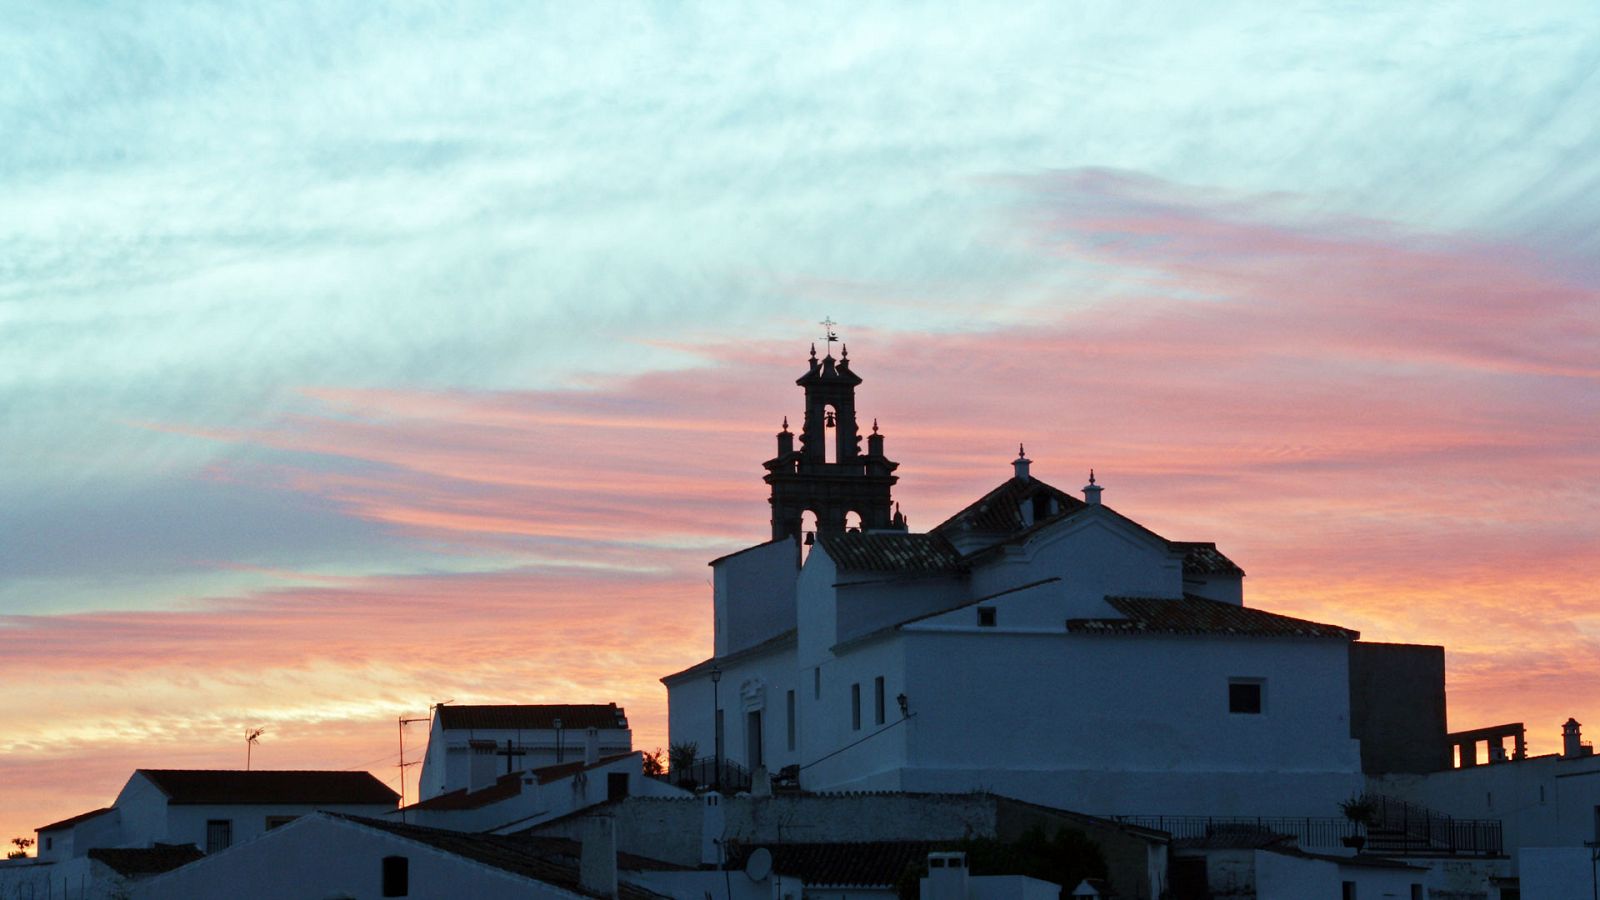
<point x="716" y="732"/>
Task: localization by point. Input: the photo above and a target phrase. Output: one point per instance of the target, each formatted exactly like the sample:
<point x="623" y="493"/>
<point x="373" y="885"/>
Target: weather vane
<point x="829" y="334"/>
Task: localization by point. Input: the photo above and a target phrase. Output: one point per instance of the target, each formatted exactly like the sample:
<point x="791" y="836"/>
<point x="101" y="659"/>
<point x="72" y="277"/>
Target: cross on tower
<point x="828" y="334"/>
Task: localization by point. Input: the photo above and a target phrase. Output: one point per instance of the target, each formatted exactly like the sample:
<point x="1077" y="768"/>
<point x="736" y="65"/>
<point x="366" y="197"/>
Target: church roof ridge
<point x="776" y="642"/>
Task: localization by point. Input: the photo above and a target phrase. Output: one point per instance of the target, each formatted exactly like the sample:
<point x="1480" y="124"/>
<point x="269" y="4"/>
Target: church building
<point x="1037" y="643"/>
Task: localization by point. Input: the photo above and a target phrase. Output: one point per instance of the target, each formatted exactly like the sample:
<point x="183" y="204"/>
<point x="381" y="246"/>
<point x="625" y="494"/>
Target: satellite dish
<point x="759" y="865"/>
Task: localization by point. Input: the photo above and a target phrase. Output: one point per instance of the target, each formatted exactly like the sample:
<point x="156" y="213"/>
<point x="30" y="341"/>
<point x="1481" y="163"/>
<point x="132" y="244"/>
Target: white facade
<point x="1544" y="801"/>
<point x="1002" y="693"/>
<point x="467" y="745"/>
<point x="1283" y="876"/>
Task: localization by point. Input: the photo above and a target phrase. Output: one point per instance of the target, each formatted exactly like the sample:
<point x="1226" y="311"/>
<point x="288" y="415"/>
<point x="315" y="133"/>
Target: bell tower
<point x="828" y="474"/>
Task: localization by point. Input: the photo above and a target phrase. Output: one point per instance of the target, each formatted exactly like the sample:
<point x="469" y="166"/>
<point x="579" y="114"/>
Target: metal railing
<point x="1308" y="831"/>
<point x="702" y="773"/>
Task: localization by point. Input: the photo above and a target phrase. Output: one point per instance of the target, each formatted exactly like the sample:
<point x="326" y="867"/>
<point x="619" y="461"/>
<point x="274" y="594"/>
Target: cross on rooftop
<point x="508" y="753"/>
<point x="829" y="334"/>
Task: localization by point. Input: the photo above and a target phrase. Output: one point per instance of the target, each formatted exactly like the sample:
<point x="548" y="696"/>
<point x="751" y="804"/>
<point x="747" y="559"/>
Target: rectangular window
<point x="791" y="720"/>
<point x="396" y="876"/>
<point x="616" y="785"/>
<point x="855" y="707"/>
<point x="816" y="683"/>
<point x="219" y="834"/>
<point x="877" y="699"/>
<point x="1416" y="892"/>
<point x="49" y="843"/>
<point x="986" y="617"/>
<point x="1349" y="890"/>
<point x="1245" y="695"/>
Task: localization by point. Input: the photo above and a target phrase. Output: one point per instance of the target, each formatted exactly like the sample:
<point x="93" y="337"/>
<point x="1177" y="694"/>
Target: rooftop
<point x="897" y="552"/>
<point x="81" y="817"/>
<point x="533" y="717"/>
<point x="232" y="786"/>
<point x="1197" y="615"/>
<point x="146" y="860"/>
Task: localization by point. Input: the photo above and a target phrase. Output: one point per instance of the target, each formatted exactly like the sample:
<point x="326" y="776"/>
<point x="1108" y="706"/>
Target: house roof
<point x="898" y="552"/>
<point x="146" y="860"/>
<point x="533" y="717"/>
<point x="1203" y="558"/>
<point x="1361" y="860"/>
<point x="1000" y="509"/>
<point x="855" y="864"/>
<point x="1197" y="615"/>
<point x="513" y="854"/>
<point x="231" y="786"/>
<point x="567" y="850"/>
<point x="81" y="817"/>
<point x="510" y="785"/>
<point x="770" y="645"/>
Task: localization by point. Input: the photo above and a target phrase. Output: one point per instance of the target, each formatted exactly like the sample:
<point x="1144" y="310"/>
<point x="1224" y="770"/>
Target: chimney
<point x="597" y="860"/>
<point x="947" y="877"/>
<point x="712" y="825"/>
<point x="1020" y="465"/>
<point x="1091" y="491"/>
<point x="1571" y="739"/>
<point x="591" y="746"/>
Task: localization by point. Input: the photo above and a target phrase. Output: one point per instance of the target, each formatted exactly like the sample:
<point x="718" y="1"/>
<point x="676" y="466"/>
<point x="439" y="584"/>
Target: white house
<point x="1035" y="644"/>
<point x="327" y="855"/>
<point x="470" y="746"/>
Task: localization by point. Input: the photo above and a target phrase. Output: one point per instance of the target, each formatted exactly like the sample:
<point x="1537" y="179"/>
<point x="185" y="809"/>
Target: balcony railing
<point x="1398" y="829"/>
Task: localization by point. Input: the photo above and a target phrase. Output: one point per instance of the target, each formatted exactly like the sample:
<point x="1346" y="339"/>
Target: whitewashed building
<point x="471" y="746"/>
<point x="1035" y="644"/>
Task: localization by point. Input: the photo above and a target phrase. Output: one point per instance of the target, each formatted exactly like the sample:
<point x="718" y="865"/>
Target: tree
<point x="22" y="844"/>
<point x="655" y="763"/>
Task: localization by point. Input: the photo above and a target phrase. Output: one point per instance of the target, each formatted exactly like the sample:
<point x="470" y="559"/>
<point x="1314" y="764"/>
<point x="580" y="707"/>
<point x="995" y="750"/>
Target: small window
<point x="396" y="876"/>
<point x="1349" y="890"/>
<point x="49" y="843"/>
<point x="936" y="863"/>
<point x="219" y="834"/>
<point x="275" y="821"/>
<point x="1244" y="696"/>
<point x="986" y="617"/>
<point x="616" y="785"/>
<point x="877" y="699"/>
<point x="855" y="707"/>
<point x="790" y="712"/>
<point x="1416" y="892"/>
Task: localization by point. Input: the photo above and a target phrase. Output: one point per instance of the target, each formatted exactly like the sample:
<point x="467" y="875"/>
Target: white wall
<point x="1283" y="877"/>
<point x="749" y="684"/>
<point x="1557" y="873"/>
<point x="753" y="594"/>
<point x="837" y="755"/>
<point x="1096" y="554"/>
<point x="186" y="824"/>
<point x="1545" y="801"/>
<point x="448" y="764"/>
<point x="322" y="857"/>
<point x="1139" y="724"/>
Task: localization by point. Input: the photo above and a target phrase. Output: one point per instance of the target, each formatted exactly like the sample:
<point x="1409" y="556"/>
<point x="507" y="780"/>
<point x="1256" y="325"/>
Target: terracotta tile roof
<point x="193" y="786"/>
<point x="1000" y="509"/>
<point x="891" y="552"/>
<point x="146" y="860"/>
<point x="504" y="787"/>
<point x="513" y="854"/>
<point x="569" y="851"/>
<point x="1203" y="558"/>
<point x="854" y="864"/>
<point x="1197" y="615"/>
<point x="771" y="645"/>
<point x="533" y="717"/>
<point x="547" y="774"/>
<point x="81" y="817"/>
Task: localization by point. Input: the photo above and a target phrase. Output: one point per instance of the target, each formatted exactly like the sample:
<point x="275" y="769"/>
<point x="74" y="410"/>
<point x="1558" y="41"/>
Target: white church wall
<point x="1095" y="554"/>
<point x="1130" y="725"/>
<point x="753" y="595"/>
<point x="864" y="607"/>
<point x="817" y="613"/>
<point x="759" y="684"/>
<point x="845" y="746"/>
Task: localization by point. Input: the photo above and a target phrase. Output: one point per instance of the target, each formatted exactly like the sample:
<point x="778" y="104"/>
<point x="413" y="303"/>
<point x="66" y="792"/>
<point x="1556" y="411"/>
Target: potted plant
<point x="1362" y="812"/>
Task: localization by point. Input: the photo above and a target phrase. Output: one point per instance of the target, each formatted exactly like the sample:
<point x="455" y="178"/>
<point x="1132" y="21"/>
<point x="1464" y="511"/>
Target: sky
<point x="360" y="357"/>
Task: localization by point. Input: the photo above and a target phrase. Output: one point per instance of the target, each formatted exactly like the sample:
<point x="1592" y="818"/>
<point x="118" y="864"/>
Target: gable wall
<point x="1094" y="554"/>
<point x="753" y="595"/>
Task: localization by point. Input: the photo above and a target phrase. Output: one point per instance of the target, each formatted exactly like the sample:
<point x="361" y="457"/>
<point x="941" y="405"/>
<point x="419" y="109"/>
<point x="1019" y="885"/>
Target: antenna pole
<point x="403" y="764"/>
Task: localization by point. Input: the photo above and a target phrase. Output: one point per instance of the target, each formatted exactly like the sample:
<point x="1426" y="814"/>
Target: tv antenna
<point x="403" y="765"/>
<point x="252" y="736"/>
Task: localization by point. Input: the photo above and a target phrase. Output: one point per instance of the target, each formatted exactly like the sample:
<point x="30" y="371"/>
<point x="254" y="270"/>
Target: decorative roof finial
<point x="1091" y="476"/>
<point x="786" y="424"/>
<point x="844" y="351"/>
<point x="874" y="426"/>
<point x="1020" y="454"/>
<point x="813" y="350"/>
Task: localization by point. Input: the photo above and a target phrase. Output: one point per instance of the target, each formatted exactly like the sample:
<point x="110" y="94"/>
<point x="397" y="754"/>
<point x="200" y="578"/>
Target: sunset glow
<point x="430" y="391"/>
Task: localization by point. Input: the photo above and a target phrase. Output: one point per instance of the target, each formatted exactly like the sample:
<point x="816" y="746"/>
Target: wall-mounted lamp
<point x="905" y="708"/>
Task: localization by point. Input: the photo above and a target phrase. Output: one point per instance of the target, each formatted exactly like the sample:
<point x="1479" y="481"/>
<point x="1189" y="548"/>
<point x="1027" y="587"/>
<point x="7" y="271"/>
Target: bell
<point x="829" y="421"/>
<point x="811" y="538"/>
